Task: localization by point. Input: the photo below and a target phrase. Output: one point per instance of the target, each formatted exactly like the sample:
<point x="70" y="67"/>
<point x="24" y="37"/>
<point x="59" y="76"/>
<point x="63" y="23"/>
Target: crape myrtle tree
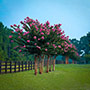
<point x="39" y="40"/>
<point x="67" y="48"/>
<point x="55" y="35"/>
<point x="58" y="48"/>
<point x="75" y="57"/>
<point x="35" y="38"/>
<point x="69" y="52"/>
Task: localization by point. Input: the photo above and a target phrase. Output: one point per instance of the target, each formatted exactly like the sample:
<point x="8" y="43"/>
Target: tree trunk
<point x="72" y="61"/>
<point x="40" y="69"/>
<point x="66" y="59"/>
<point x="48" y="64"/>
<point x="42" y="63"/>
<point x="54" y="63"/>
<point x="75" y="62"/>
<point x="40" y="72"/>
<point x="86" y="61"/>
<point x="35" y="65"/>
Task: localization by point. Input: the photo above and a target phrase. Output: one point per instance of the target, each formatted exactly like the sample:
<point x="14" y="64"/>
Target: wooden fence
<point x="15" y="66"/>
<point x="18" y="66"/>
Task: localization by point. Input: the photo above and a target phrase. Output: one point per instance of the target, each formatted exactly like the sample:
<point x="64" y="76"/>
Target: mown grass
<point x="65" y="77"/>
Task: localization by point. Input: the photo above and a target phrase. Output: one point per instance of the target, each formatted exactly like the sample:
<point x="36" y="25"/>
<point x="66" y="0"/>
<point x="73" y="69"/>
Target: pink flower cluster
<point x="36" y="33"/>
<point x="38" y="47"/>
<point x="10" y="36"/>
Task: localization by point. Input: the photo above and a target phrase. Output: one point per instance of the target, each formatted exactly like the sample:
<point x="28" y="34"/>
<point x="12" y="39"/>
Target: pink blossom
<point x="18" y="33"/>
<point x="27" y="32"/>
<point x="48" y="22"/>
<point x="14" y="25"/>
<point x="12" y="41"/>
<point x="28" y="41"/>
<point x="10" y="36"/>
<point x="17" y="29"/>
<point x="18" y="25"/>
<point x="11" y="25"/>
<point x="55" y="52"/>
<point x="33" y="24"/>
<point x="12" y="31"/>
<point x="24" y="46"/>
<point x="62" y="49"/>
<point x="51" y="26"/>
<point x="40" y="29"/>
<point x="67" y="37"/>
<point x="44" y="24"/>
<point x="63" y="32"/>
<point x="21" y="30"/>
<point x="20" y="50"/>
<point x="59" y="46"/>
<point x="36" y="20"/>
<point x="25" y="22"/>
<point x="16" y="47"/>
<point x="35" y="43"/>
<point x="21" y="22"/>
<point x="65" y="50"/>
<point x="46" y="49"/>
<point x="38" y="39"/>
<point x="66" y="47"/>
<point x="43" y="29"/>
<point x="24" y="34"/>
<point x="48" y="33"/>
<point x="53" y="30"/>
<point x="34" y="37"/>
<point x="38" y="47"/>
<point x="42" y="37"/>
<point x="53" y="45"/>
<point x="30" y="25"/>
<point x="23" y="26"/>
<point x="48" y="25"/>
<point x="19" y="37"/>
<point x="42" y="33"/>
<point x="47" y="43"/>
<point x="60" y="24"/>
<point x="27" y="35"/>
<point x="36" y="29"/>
<point x="62" y="44"/>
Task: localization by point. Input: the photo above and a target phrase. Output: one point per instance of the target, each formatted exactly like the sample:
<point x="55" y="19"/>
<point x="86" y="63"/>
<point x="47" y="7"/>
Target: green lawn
<point x="65" y="77"/>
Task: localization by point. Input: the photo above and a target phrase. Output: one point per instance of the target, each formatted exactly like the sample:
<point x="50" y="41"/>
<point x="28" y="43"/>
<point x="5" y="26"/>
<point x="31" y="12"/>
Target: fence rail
<point x="20" y="66"/>
<point x="15" y="66"/>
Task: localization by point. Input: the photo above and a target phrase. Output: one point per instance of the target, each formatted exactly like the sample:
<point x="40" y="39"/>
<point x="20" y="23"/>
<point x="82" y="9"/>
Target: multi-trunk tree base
<point x="41" y="64"/>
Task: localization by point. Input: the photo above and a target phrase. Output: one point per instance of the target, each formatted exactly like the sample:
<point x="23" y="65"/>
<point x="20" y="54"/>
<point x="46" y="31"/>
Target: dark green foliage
<point x="83" y="44"/>
<point x="6" y="47"/>
<point x="87" y="57"/>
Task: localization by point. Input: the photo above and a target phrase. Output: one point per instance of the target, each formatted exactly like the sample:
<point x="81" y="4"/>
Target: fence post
<point x="22" y="65"/>
<point x="28" y="65"/>
<point x="18" y="66"/>
<point x="10" y="66"/>
<point x="0" y="67"/>
<point x="5" y="66"/>
<point x="15" y="67"/>
<point x="31" y="65"/>
<point x="25" y="65"/>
